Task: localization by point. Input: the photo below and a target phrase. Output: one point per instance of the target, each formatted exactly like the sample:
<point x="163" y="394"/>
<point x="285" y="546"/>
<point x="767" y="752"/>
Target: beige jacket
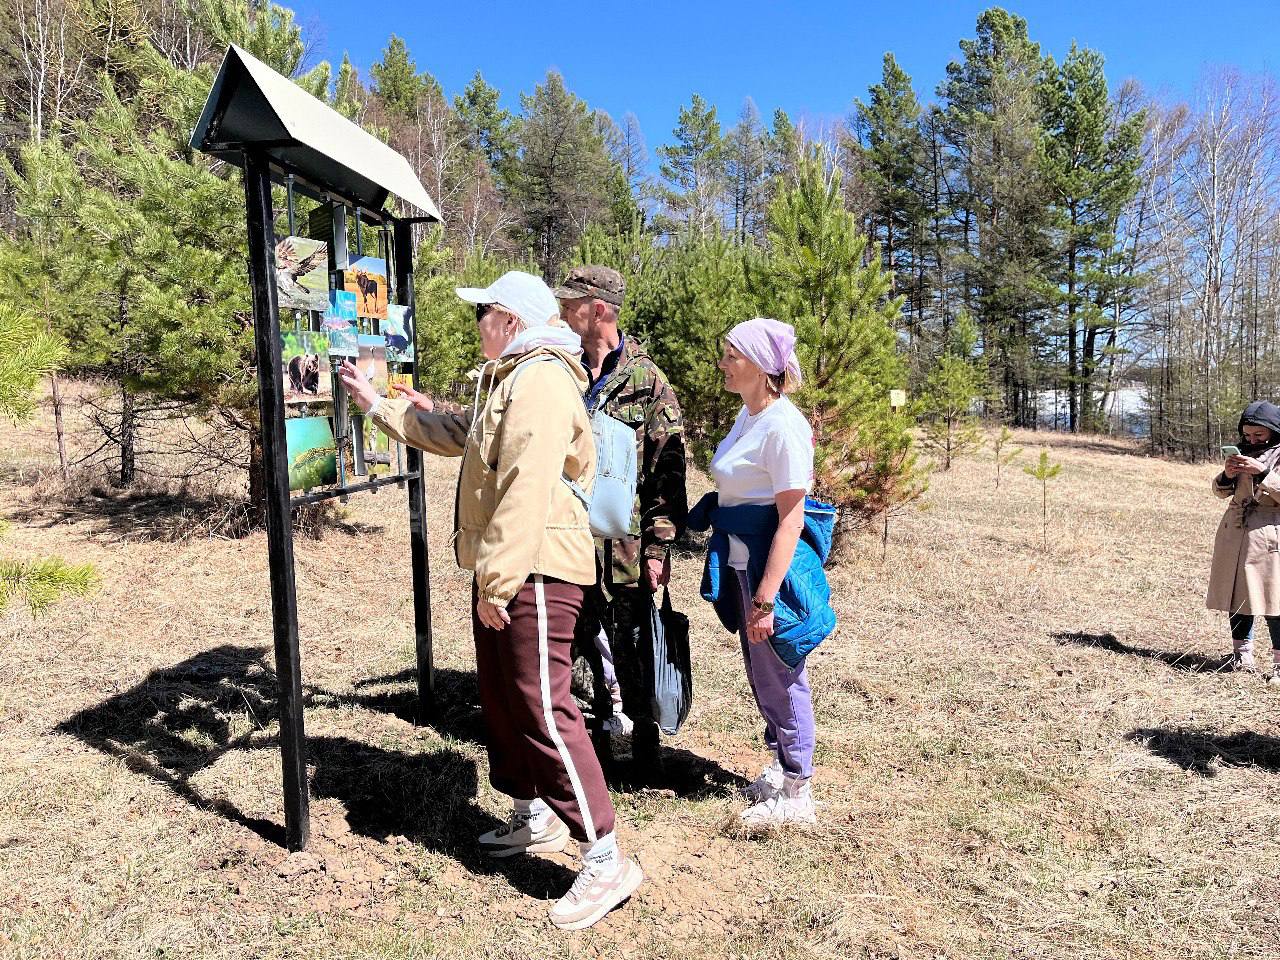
<point x="514" y="516"/>
<point x="1245" y="575"/>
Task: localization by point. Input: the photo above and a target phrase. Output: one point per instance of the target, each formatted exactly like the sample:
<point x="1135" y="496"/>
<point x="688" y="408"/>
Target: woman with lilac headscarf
<point x="764" y="563"/>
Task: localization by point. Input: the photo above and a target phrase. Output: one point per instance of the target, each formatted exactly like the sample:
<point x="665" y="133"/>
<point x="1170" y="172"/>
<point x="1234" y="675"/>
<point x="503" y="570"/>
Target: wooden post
<point x="284" y="604"/>
<point x="403" y="257"/>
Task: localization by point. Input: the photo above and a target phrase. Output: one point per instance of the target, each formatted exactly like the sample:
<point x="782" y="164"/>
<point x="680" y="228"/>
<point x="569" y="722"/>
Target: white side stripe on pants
<point x="544" y="682"/>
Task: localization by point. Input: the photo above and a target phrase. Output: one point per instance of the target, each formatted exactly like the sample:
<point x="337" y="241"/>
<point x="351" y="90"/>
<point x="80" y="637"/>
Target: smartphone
<point x="1231" y="451"/>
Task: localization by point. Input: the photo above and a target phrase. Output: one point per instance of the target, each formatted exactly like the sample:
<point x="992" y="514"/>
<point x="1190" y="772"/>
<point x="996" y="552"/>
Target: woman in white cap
<point x="764" y="561"/>
<point x="524" y="532"/>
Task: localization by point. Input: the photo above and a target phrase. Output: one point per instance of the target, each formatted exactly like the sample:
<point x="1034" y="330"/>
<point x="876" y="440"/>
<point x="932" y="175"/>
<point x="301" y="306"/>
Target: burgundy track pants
<point x="538" y="745"/>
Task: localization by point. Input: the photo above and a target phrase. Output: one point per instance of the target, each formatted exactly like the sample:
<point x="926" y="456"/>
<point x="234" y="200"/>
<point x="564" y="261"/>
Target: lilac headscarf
<point x="769" y="344"/>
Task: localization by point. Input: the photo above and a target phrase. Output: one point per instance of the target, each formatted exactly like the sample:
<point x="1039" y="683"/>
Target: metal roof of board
<point x="252" y="105"/>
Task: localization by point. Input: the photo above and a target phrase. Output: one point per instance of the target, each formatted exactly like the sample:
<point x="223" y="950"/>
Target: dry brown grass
<point x="1018" y="758"/>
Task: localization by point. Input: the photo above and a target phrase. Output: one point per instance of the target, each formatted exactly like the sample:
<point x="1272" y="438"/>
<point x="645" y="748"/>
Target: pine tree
<point x="624" y="208"/>
<point x="490" y="129"/>
<point x="992" y="124"/>
<point x="28" y="353"/>
<point x="693" y="167"/>
<point x="954" y="387"/>
<point x="349" y="94"/>
<point x="746" y="171"/>
<point x="819" y="278"/>
<point x="560" y="182"/>
<point x="784" y="151"/>
<point x="894" y="161"/>
<point x="1090" y="164"/>
<point x="705" y="293"/>
<point x="1044" y="471"/>
<point x="269" y="33"/>
<point x="397" y="82"/>
<point x="156" y="297"/>
<point x="1002" y="456"/>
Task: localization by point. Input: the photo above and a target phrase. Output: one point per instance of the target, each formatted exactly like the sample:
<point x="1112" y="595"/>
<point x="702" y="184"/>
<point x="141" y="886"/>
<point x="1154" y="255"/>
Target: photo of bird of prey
<point x="302" y="273"/>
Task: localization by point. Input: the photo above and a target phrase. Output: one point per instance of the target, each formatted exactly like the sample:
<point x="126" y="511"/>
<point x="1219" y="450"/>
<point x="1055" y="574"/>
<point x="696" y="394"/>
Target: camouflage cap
<point x="601" y="283"/>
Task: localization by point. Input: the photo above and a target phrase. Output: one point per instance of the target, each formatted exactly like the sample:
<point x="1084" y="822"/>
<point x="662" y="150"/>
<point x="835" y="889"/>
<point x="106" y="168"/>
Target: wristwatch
<point x="764" y="606"/>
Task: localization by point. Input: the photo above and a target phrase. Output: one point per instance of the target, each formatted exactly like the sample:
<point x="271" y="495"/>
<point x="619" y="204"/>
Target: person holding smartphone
<point x="1244" y="579"/>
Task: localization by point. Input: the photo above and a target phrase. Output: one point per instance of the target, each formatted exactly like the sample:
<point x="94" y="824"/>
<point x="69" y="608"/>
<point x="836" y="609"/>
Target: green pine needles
<point x="1044" y="471"/>
<point x="41" y="582"/>
<point x="818" y="276"/>
<point x="951" y="395"/>
<point x="1003" y="456"/>
<point x="28" y="353"/>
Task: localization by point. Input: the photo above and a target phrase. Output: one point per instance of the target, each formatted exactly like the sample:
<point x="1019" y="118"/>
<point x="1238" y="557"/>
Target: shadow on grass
<point x="458" y="715"/>
<point x="1203" y="751"/>
<point x="159" y="514"/>
<point x="181" y="720"/>
<point x="1187" y="662"/>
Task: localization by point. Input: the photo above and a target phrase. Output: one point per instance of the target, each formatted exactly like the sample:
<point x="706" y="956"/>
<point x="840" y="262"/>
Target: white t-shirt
<point x="759" y="457"/>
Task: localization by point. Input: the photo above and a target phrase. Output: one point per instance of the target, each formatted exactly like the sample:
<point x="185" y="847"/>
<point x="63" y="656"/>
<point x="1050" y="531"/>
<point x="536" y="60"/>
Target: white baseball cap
<point x="525" y="295"/>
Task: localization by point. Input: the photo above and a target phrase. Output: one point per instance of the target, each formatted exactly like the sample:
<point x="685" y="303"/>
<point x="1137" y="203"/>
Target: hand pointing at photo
<point x="420" y="401"/>
<point x="357" y="385"/>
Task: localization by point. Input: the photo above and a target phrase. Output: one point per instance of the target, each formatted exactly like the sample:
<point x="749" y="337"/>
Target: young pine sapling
<point x="1044" y="471"/>
<point x="1003" y="457"/>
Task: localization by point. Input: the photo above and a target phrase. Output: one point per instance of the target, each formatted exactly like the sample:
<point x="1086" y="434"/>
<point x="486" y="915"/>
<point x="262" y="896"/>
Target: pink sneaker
<point x="595" y="892"/>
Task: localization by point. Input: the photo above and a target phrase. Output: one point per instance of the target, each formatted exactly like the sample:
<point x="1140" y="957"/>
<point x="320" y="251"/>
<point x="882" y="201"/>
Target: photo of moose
<point x="312" y="454"/>
<point x="302" y="273"/>
<point x="372" y="361"/>
<point x="367" y="279"/>
<point x="304" y="361"/>
<point x="340" y="324"/>
<point x="398" y="329"/>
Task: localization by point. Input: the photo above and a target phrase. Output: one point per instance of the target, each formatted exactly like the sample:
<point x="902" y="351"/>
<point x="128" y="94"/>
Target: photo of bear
<point x="304" y="358"/>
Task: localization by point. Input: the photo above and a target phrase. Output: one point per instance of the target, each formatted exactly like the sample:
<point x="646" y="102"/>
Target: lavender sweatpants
<point x="781" y="693"/>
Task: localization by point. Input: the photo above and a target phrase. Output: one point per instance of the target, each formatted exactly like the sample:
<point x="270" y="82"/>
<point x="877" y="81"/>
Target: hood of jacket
<point x="1260" y="413"/>
<point x="570" y="356"/>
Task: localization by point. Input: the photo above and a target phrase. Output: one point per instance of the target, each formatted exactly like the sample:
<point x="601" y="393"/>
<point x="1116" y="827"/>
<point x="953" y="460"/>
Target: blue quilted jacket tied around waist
<point x="802" y="614"/>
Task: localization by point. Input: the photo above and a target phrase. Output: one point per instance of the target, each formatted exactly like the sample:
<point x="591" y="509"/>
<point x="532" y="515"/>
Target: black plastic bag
<point x="672" y="671"/>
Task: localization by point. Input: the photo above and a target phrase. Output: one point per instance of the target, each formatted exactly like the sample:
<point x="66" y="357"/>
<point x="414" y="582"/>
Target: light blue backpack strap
<point x="520" y="368"/>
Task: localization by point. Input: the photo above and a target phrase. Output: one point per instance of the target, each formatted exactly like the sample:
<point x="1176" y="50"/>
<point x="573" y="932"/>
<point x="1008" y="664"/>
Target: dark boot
<point x="646" y="751"/>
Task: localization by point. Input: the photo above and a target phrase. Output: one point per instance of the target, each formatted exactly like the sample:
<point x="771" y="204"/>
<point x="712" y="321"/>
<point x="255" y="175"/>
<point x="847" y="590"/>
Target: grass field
<point x="1021" y="752"/>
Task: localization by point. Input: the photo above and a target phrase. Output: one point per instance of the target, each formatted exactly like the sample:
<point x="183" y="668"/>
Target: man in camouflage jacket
<point x="627" y="385"/>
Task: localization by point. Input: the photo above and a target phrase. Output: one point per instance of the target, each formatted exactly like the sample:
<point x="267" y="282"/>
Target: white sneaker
<point x="766" y="785"/>
<point x="792" y="804"/>
<point x="595" y="892"/>
<point x="518" y="835"/>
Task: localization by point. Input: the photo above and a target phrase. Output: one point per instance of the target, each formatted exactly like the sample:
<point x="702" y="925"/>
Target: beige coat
<point x="514" y="515"/>
<point x="1245" y="576"/>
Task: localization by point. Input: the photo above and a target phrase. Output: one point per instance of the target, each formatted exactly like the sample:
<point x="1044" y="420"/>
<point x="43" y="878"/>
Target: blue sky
<point x="811" y="59"/>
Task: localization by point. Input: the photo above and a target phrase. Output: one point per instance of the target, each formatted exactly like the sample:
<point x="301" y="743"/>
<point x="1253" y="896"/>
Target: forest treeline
<point x="1022" y="244"/>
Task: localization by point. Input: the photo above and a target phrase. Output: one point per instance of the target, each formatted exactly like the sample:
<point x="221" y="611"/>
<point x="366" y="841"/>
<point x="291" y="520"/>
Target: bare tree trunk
<point x="128" y="438"/>
<point x="58" y="427"/>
